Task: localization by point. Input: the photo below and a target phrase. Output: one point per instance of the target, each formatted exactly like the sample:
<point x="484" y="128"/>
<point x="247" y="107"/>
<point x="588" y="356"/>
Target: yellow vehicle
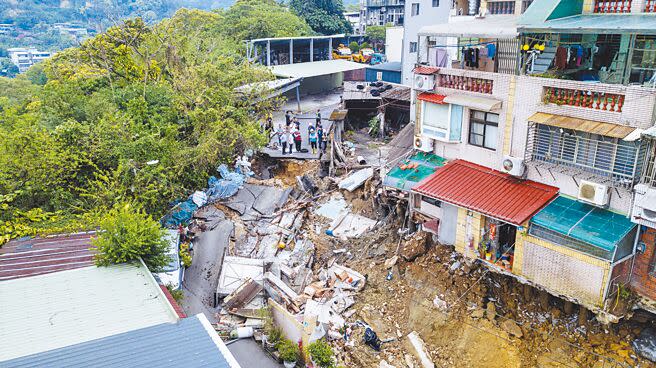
<point x="364" y="56"/>
<point x="342" y="52"/>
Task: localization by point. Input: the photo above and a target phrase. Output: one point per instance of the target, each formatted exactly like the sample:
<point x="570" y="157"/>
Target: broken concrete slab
<point x="334" y="208"/>
<point x="356" y="179"/>
<point x="278" y="290"/>
<point x="236" y="270"/>
<point x="354" y="281"/>
<point x="269" y="200"/>
<point x="351" y="225"/>
<point x="418" y="348"/>
<point x="324" y="313"/>
<point x="242" y="295"/>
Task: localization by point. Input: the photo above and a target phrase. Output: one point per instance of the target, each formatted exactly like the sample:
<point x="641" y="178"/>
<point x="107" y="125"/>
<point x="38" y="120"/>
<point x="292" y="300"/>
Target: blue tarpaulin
<point x="217" y="189"/>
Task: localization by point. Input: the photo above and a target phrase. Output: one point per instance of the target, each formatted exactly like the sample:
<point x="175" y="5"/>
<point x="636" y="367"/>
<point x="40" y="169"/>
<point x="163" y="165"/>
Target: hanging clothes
<point x="578" y="54"/>
<point x="491" y="50"/>
<point x="561" y="58"/>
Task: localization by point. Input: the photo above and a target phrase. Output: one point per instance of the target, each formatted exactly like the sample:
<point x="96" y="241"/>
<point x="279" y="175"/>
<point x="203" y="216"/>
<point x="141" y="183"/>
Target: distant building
<point x="382" y="12"/>
<point x="394" y="43"/>
<point x="24" y="58"/>
<point x="356" y="24"/>
<point x="6" y="28"/>
<point x="73" y="30"/>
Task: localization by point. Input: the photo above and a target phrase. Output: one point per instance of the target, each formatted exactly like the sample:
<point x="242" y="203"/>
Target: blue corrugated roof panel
<point x="183" y="344"/>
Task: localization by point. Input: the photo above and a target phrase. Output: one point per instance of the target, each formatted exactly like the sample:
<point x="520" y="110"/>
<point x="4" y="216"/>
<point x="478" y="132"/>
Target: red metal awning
<point x="432" y="97"/>
<point x="426" y="70"/>
<point x="490" y="192"/>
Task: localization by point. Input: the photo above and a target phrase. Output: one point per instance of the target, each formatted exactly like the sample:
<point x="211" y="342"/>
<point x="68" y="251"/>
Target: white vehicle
<point x="173" y="274"/>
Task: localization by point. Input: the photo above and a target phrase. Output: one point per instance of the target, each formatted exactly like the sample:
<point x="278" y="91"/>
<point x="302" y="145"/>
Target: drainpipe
<point x="635" y="246"/>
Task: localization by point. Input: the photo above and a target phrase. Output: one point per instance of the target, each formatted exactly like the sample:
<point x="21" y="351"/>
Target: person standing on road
<point x="285" y="141"/>
<point x="297" y="139"/>
<point x="312" y="137"/>
<point x="279" y="133"/>
<point x="288" y="117"/>
<point x="297" y="124"/>
<point x="324" y="141"/>
<point x="320" y="136"/>
<point x="318" y="116"/>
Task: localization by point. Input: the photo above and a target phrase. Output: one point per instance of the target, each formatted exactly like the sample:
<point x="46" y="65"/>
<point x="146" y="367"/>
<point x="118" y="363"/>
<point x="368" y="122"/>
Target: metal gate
<point x="507" y="53"/>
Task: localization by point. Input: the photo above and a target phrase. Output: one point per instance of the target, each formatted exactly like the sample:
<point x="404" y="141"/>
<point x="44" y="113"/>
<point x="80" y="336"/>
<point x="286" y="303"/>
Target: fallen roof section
<point x="191" y="342"/>
<point x="38" y="256"/>
<point x="55" y="310"/>
<point x="487" y="191"/>
<point x="644" y="24"/>
<point x="315" y="68"/>
<point x="406" y="175"/>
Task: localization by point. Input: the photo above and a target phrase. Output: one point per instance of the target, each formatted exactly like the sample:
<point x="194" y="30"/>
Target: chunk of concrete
<point x="418" y="348"/>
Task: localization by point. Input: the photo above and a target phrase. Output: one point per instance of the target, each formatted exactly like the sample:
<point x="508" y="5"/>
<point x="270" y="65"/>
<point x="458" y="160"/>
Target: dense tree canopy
<point x="323" y="16"/>
<point x="140" y="114"/>
<point x="248" y="19"/>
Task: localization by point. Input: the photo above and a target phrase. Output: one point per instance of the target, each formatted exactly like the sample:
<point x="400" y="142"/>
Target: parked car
<point x="173" y="274"/>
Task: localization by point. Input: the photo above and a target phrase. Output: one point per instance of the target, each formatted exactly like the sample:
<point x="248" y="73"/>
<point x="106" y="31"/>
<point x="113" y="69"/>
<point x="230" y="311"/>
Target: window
<point x="599" y="154"/>
<point x="483" y="129"/>
<point x="436" y="3"/>
<point x="435" y="120"/>
<point x="415" y="9"/>
<point x="413" y="47"/>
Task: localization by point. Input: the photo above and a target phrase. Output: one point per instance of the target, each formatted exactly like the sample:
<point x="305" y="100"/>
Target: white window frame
<point x="447" y="131"/>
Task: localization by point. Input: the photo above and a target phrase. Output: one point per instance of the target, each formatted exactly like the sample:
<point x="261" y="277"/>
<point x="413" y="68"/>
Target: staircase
<point x="542" y="61"/>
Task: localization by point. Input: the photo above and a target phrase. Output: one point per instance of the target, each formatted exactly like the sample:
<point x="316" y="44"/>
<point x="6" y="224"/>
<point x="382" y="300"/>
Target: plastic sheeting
<point x="217" y="189"/>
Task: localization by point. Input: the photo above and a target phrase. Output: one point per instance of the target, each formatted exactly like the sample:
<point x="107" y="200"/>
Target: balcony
<point x="612" y="6"/>
<point x="381" y="3"/>
<point x="586" y="99"/>
<point x="650" y="6"/>
<point x="453" y="79"/>
<point x="501" y="7"/>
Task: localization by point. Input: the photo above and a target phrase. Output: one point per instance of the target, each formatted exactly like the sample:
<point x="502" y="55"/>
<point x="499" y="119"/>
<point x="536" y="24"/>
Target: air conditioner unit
<point x="593" y="193"/>
<point x="424" y="82"/>
<point x="644" y="205"/>
<point x="513" y="166"/>
<point x="424" y="144"/>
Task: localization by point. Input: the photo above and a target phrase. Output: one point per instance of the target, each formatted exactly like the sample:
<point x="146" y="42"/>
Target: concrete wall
<point x="393" y="43"/>
<point x="428" y="15"/>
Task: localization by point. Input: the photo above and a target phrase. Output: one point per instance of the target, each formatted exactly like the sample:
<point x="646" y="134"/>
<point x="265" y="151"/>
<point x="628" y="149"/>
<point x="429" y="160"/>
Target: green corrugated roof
<point x="593" y="225"/>
<point x="642" y="23"/>
<point x="406" y="179"/>
<point x="540" y="11"/>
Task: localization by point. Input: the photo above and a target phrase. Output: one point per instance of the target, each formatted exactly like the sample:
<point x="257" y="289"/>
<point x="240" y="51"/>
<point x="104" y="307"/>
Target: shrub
<point x="354" y="47"/>
<point x="185" y="255"/>
<point x="365" y="45"/>
<point x="288" y="350"/>
<point x="127" y="234"/>
<point x="321" y="354"/>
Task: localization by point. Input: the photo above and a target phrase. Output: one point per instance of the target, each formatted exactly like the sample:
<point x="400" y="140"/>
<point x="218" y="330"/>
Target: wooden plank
<point x="243" y="295"/>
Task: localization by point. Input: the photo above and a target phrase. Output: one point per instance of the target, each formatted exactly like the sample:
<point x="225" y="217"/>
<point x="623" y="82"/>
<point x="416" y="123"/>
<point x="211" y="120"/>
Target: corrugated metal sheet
<point x="426" y="70"/>
<point x="487" y="191"/>
<point x="492" y="26"/>
<point x="582" y="125"/>
<point x="432" y="97"/>
<point x="37" y="256"/>
<point x="183" y="344"/>
<point x="314" y="68"/>
<point x="55" y="310"/>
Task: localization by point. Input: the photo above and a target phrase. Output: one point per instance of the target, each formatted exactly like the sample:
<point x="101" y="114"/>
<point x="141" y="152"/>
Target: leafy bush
<point x="321" y="354"/>
<point x="127" y="234"/>
<point x="288" y="350"/>
<point x="354" y="47"/>
<point x="177" y="294"/>
<point x="185" y="255"/>
<point x="365" y="45"/>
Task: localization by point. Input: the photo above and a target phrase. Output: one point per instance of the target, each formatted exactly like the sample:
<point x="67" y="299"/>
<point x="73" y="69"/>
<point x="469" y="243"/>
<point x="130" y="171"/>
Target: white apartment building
<point x="24" y="58"/>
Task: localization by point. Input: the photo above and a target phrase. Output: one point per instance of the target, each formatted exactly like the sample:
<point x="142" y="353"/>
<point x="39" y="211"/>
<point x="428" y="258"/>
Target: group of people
<point x="290" y="135"/>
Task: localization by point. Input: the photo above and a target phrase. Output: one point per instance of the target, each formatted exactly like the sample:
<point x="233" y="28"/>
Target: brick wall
<point x="642" y="281"/>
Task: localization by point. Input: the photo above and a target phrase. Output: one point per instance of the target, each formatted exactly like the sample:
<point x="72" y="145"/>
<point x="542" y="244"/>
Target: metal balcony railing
<point x="501" y="7"/>
<point x="616" y="160"/>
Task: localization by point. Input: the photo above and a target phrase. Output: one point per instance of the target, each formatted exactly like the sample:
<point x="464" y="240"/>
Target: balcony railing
<point x="465" y="83"/>
<point x="501" y="7"/>
<point x="381" y="3"/>
<point x="585" y="99"/>
<point x="612" y="6"/>
<point x="650" y="6"/>
<point x="526" y="4"/>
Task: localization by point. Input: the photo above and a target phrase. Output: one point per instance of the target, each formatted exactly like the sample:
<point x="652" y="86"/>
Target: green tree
<point x="376" y="35"/>
<point x="354" y="47"/>
<point x="126" y="234"/>
<point x="324" y="16"/>
<point x="249" y="19"/>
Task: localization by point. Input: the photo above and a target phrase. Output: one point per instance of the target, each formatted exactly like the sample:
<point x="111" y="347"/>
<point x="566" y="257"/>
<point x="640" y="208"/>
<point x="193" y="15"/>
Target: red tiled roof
<point x="37" y="256"/>
<point x="174" y="304"/>
<point x="426" y="70"/>
<point x="432" y="97"/>
<point x="490" y="192"/>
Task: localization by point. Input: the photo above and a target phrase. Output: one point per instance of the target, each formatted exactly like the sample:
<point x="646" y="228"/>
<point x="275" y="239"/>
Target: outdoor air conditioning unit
<point x="513" y="166"/>
<point x="593" y="193"/>
<point x="424" y="82"/>
<point x="424" y="144"/>
<point x="644" y="205"/>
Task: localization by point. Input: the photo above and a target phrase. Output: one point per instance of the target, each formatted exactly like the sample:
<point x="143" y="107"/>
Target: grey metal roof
<point x="596" y="24"/>
<point x="187" y="344"/>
